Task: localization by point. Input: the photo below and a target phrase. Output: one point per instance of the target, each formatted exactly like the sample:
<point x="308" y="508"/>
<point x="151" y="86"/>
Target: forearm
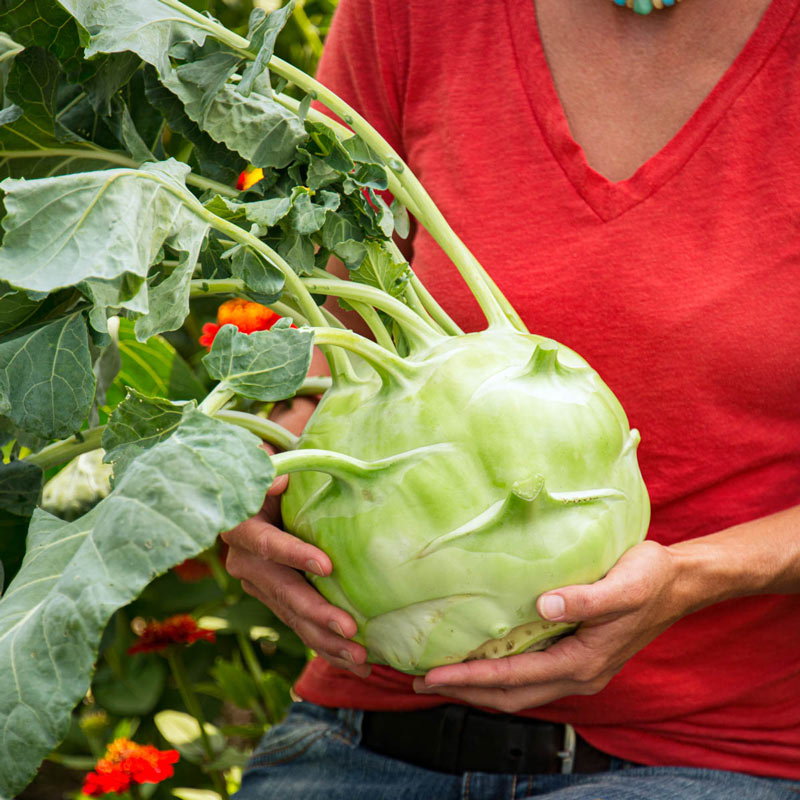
<point x="758" y="557"/>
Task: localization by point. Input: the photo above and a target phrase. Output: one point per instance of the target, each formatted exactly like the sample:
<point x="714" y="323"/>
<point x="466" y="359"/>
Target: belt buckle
<point x="567" y="754"/>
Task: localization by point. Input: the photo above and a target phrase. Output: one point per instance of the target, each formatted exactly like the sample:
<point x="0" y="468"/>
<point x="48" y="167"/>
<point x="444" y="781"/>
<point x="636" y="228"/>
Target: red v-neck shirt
<point x="680" y="285"/>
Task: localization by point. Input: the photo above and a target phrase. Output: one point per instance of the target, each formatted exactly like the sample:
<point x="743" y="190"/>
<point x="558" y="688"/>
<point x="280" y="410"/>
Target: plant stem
<point x="250" y="659"/>
<point x="268" y="430"/>
<point x="375" y="324"/>
<point x="409" y="191"/>
<point x="390" y="367"/>
<point x="410" y="321"/>
<point x="433" y="308"/>
<point x="192" y="704"/>
<point x="65" y="450"/>
<point x="215" y="400"/>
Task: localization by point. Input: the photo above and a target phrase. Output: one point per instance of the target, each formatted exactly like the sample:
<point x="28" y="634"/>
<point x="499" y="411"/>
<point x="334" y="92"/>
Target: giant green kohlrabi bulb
<point x="499" y="468"/>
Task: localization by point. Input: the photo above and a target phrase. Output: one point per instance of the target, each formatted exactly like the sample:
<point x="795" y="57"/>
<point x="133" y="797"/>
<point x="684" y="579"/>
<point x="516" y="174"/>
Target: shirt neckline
<point x="609" y="199"/>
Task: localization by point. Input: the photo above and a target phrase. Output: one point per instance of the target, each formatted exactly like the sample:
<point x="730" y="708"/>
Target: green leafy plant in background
<point x="124" y="130"/>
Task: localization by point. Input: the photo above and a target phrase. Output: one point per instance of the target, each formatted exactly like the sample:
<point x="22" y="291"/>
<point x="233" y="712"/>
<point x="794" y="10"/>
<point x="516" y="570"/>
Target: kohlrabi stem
<point x="387" y="365"/>
<point x="498" y="311"/>
<point x="268" y="430"/>
<point x="216" y="399"/>
<point x="433" y="307"/>
<point x="408" y="319"/>
<point x="65" y="450"/>
<point x="344" y="466"/>
<point x="375" y="324"/>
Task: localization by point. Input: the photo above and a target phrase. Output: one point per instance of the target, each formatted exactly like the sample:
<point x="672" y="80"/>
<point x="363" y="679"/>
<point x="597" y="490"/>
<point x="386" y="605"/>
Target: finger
<point x="628" y="586"/>
<point x="269" y="543"/>
<point x="278" y="486"/>
<point x="288" y="594"/>
<point x="509" y="701"/>
<point x="569" y="659"/>
<point x="316" y="623"/>
<point x="362" y="670"/>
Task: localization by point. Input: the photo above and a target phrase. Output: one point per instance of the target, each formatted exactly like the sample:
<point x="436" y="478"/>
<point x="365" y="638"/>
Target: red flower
<point x="244" y="314"/>
<point x="248" y="177"/>
<point x="126" y="762"/>
<point x="179" y="629"/>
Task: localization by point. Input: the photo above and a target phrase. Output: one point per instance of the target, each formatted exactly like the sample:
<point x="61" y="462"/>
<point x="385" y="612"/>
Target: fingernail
<point x="336" y="628"/>
<point x="345" y="654"/>
<point x="551" y="606"/>
<point x="314" y="566"/>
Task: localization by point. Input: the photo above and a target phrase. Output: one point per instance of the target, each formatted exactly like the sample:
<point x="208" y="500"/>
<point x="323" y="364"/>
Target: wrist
<point x="758" y="557"/>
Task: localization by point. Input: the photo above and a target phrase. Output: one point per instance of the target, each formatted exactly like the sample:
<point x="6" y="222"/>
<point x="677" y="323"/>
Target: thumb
<point x="622" y="590"/>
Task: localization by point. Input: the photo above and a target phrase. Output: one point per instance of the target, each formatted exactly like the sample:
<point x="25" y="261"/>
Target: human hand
<point x="266" y="559"/>
<point x="620" y="614"/>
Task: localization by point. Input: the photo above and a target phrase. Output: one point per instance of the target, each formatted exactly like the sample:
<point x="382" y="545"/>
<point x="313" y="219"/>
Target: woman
<point x="631" y="182"/>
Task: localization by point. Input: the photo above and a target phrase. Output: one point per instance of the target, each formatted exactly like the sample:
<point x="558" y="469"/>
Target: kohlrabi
<point x="452" y="478"/>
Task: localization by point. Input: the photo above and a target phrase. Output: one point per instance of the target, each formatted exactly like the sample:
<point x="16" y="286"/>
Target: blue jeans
<point x="315" y="755"/>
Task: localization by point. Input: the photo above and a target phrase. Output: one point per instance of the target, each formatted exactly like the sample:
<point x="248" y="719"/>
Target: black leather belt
<point x="457" y="739"/>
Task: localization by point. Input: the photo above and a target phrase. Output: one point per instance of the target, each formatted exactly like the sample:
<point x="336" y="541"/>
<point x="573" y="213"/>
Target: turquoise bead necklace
<point x="646" y="6"/>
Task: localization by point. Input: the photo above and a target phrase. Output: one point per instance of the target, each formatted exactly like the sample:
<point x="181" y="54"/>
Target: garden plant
<point x="163" y="169"/>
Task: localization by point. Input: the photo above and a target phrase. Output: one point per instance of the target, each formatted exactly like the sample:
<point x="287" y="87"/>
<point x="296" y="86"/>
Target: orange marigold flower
<point x="246" y="315"/>
<point x="178" y="629"/>
<point x="248" y="177"/>
<point x="126" y="762"/>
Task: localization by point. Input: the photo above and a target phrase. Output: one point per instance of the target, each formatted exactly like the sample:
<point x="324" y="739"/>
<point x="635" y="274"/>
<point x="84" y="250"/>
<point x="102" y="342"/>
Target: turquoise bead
<point x="642" y="6"/>
<point x="620" y="2"/>
<point x="669" y="2"/>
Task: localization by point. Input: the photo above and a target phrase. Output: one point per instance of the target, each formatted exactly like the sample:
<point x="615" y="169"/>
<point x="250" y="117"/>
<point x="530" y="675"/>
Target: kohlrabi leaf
<point x="20" y="484"/>
<point x="46" y="379"/>
<point x="137" y="424"/>
<point x="96" y="226"/>
<point x="259" y="276"/>
<point x="264" y="30"/>
<point x="258" y="128"/>
<point x="213" y="158"/>
<point x="170" y="505"/>
<point x="265" y="365"/>
<point x="153" y="368"/>
<point x="308" y="217"/>
<point x="148" y="28"/>
<point x="44" y="23"/>
<point x="379" y="269"/>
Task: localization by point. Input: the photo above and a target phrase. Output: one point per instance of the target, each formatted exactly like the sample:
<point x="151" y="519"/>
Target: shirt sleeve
<point x="363" y="63"/>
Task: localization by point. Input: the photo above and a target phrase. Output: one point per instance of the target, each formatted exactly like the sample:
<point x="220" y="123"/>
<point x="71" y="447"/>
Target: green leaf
<point x="170" y="505"/>
<point x="213" y="158"/>
<point x="308" y="217"/>
<point x="264" y="30"/>
<point x="137" y="424"/>
<point x="379" y="269"/>
<point x="136" y="692"/>
<point x="235" y="682"/>
<point x="258" y="128"/>
<point x="20" y="484"/>
<point x="148" y="28"/>
<point x="153" y="368"/>
<point x="182" y="731"/>
<point x="99" y="226"/>
<point x="46" y="379"/>
<point x="258" y="275"/>
<point x="264" y="365"/>
<point x="297" y="250"/>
